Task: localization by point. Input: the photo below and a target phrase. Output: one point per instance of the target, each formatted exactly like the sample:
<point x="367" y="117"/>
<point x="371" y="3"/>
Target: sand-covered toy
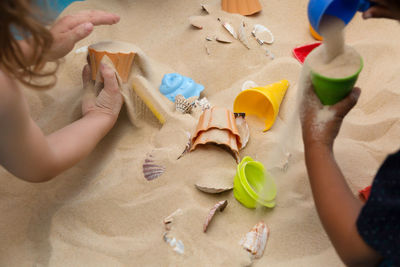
<point x="174" y="84"/>
<point x="120" y="53"/>
<point x="264" y="102"/>
<point x="253" y="186"/>
<point x="243" y="7"/>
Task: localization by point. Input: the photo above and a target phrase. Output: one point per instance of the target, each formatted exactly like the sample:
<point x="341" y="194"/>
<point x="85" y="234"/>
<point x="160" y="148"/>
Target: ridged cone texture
<point x="243" y="7"/>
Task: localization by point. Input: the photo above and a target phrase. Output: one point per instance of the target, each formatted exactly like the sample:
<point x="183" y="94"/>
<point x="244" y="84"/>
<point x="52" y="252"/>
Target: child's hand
<point x="72" y="28"/>
<point x="383" y="9"/>
<point x="109" y="100"/>
<point x="321" y="124"/>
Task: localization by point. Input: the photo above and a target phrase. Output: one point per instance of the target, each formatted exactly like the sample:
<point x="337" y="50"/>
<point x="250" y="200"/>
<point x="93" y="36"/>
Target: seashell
<point x="195" y="21"/>
<point x="242" y="35"/>
<point x="243" y="128"/>
<point x="217" y="118"/>
<point x="205" y="8"/>
<point x="219" y="206"/>
<point x="174" y="84"/>
<point x="256" y="240"/>
<point x="223" y="39"/>
<point x="177" y="245"/>
<point x="243" y="7"/>
<point x="214" y="186"/>
<point x="219" y="137"/>
<point x="151" y="170"/>
<point x="208" y="38"/>
<point x="184" y="105"/>
<point x="248" y="85"/>
<point x="203" y="103"/>
<point x="262" y="34"/>
<point x="230" y="29"/>
<point x="169" y="219"/>
<point x="120" y="53"/>
<point x="188" y="146"/>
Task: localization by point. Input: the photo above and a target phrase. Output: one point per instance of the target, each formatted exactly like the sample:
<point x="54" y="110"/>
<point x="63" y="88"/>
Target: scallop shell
<point x="242" y="35"/>
<point x="184" y="105"/>
<point x="230" y="29"/>
<point x="243" y="128"/>
<point x="120" y="53"/>
<point x="256" y="240"/>
<point x="151" y="170"/>
<point x="243" y="7"/>
<point x="219" y="206"/>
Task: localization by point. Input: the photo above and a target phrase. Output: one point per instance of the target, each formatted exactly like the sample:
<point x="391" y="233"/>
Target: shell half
<point x="256" y="240"/>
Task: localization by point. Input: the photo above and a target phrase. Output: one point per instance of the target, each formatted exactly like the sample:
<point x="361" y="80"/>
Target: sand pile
<point x="103" y="212"/>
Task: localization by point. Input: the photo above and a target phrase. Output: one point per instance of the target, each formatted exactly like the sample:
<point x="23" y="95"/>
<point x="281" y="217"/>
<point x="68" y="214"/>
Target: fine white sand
<point x="103" y="212"/>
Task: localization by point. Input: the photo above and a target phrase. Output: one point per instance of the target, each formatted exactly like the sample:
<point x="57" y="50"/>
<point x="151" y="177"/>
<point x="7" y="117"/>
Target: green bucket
<point x="332" y="90"/>
<point x="253" y="186"/>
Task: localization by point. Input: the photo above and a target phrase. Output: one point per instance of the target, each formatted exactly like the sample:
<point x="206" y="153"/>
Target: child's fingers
<point x="378" y="11"/>
<point x="344" y="106"/>
<point x="80" y="32"/>
<point x="110" y="78"/>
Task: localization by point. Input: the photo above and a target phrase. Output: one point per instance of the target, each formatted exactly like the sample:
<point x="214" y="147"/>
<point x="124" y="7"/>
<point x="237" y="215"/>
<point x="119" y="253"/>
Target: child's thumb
<point x="110" y="78"/>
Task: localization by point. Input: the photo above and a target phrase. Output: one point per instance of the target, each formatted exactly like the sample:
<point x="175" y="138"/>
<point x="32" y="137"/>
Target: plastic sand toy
<point x="253" y="185"/>
<point x="264" y="102"/>
<point x="242" y="7"/>
<point x="174" y="84"/>
<point x="301" y="52"/>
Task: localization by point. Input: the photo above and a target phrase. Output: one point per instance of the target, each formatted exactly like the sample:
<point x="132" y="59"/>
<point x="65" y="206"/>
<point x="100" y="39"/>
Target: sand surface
<point x="103" y="212"/>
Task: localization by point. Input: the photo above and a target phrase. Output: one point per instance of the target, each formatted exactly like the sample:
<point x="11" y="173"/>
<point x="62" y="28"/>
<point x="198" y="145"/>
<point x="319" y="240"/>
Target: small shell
<point x="219" y="206"/>
<point x="243" y="128"/>
<point x="169" y="219"/>
<point x="184" y="105"/>
<point x="248" y="85"/>
<point x="213" y="190"/>
<point x="209" y="38"/>
<point x="151" y="170"/>
<point x="223" y="39"/>
<point x="177" y="245"/>
<point x="242" y="35"/>
<point x="256" y="240"/>
<point x="205" y="8"/>
<point x="195" y="21"/>
<point x="230" y="29"/>
<point x="188" y="146"/>
<point x="259" y="33"/>
<point x="203" y="103"/>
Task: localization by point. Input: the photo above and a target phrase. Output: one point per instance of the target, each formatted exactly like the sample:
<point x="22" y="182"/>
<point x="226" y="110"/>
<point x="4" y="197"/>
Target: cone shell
<point x="217" y="118"/>
<point x="243" y="7"/>
<point x="256" y="240"/>
<point x="122" y="60"/>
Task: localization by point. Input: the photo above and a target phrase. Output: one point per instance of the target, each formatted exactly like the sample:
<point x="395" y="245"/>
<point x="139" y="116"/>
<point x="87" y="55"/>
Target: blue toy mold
<point x="174" y="84"/>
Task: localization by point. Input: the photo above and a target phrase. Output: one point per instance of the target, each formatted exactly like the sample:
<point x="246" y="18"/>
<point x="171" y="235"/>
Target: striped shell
<point x="184" y="105"/>
<point x="151" y="170"/>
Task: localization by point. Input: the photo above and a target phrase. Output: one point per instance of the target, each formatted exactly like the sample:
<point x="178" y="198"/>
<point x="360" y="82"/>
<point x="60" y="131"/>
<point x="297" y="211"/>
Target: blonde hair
<point x="21" y="18"/>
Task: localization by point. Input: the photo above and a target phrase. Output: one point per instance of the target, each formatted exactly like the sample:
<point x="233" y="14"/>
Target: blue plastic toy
<point x="174" y="84"/>
<point x="343" y="9"/>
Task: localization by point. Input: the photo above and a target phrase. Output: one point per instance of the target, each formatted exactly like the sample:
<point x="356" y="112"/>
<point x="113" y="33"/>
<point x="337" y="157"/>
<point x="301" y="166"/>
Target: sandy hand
<point x="321" y="124"/>
<point x="109" y="100"/>
<point x="383" y="9"/>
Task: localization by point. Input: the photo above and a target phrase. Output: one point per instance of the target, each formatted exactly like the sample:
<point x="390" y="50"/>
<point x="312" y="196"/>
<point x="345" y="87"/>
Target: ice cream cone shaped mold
<point x="217" y="118"/>
<point x="264" y="102"/>
<point x="121" y="54"/>
<point x="243" y="7"/>
<point x="174" y="84"/>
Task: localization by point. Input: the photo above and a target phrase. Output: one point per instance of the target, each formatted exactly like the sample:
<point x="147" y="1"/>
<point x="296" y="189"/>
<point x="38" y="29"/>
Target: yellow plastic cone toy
<point x="264" y="102"/>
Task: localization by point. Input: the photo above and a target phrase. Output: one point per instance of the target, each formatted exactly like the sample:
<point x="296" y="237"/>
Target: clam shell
<point x="151" y="170"/>
<point x="256" y="240"/>
<point x="219" y="206"/>
<point x="215" y="184"/>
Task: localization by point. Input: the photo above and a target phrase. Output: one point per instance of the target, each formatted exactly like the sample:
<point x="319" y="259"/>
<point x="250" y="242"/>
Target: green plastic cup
<point x="252" y="185"/>
<point x="332" y="90"/>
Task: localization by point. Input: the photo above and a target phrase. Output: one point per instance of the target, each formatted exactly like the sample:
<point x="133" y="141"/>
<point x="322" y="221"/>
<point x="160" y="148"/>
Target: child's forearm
<point x="74" y="142"/>
<point x="337" y="206"/>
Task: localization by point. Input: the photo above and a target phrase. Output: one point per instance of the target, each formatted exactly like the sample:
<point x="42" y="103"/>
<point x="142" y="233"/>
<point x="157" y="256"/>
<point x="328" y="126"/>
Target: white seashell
<point x="83" y="49"/>
<point x="230" y="29"/>
<point x="151" y="170"/>
<point x="184" y="105"/>
<point x="248" y="85"/>
<point x="203" y="103"/>
<point x="262" y="34"/>
<point x="242" y="35"/>
<point x="243" y="128"/>
<point x="219" y="206"/>
<point x="195" y="21"/>
<point x="256" y="240"/>
<point x="177" y="245"/>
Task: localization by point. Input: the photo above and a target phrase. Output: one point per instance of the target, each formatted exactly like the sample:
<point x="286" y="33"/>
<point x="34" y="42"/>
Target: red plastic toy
<point x="301" y="52"/>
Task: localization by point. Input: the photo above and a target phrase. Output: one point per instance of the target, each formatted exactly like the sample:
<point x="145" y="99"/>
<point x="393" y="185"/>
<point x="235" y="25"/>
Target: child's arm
<point x="29" y="155"/>
<point x="383" y="9"/>
<point x="337" y="207"/>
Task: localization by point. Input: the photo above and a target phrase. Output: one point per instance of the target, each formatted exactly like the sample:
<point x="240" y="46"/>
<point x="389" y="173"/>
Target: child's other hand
<point x="321" y="124"/>
<point x="383" y="9"/>
<point x="72" y="28"/>
<point x="109" y="101"/>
